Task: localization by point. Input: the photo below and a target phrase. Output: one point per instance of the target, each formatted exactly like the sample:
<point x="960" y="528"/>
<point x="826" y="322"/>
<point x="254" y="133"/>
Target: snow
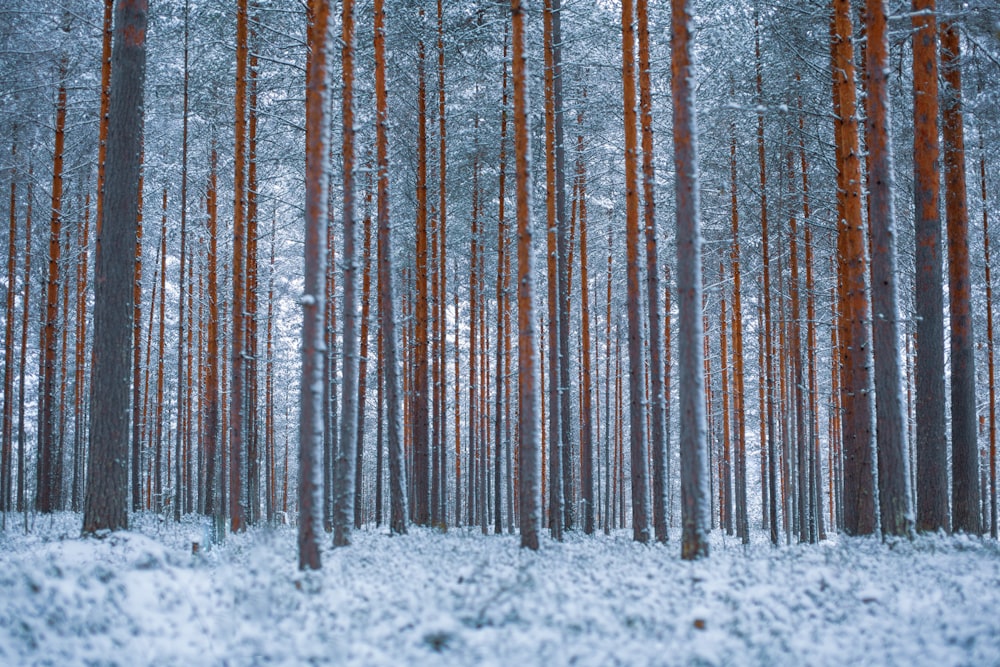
<point x="459" y="598"/>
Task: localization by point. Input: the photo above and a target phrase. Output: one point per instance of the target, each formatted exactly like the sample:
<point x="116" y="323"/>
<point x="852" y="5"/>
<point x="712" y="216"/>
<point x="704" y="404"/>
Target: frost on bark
<point x="529" y="454"/>
<point x="695" y="498"/>
<point x="386" y="296"/>
<point x="106" y="503"/>
<point x="659" y="426"/>
<point x="237" y="509"/>
<point x="313" y="306"/>
<point x="343" y="479"/>
<point x="893" y="469"/>
<point x="555" y="220"/>
<point x="853" y="334"/>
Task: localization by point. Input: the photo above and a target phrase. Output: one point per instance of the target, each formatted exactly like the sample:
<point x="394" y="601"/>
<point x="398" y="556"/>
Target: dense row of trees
<point x="459" y="361"/>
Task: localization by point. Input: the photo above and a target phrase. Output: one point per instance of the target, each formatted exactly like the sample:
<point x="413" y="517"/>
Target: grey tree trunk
<point x="106" y="502"/>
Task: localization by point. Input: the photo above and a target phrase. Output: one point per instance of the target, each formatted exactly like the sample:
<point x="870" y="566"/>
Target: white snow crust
<point x="460" y="598"/>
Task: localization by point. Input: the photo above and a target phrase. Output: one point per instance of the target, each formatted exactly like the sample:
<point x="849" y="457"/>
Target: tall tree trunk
<point x="178" y="477"/>
<point x="313" y="306"/>
<point x="343" y="504"/>
<point x="46" y="463"/>
<point x="363" y="362"/>
<point x="725" y="468"/>
<point x="6" y="465"/>
<point x="211" y="441"/>
<point x="893" y="474"/>
<point x="160" y="362"/>
<point x="932" y="447"/>
<point x="21" y="504"/>
<point x="694" y="466"/>
<point x="658" y="435"/>
<point x="803" y="451"/>
<point x="816" y="472"/>
<point x="769" y="499"/>
<point x="855" y="369"/>
<point x="502" y="421"/>
<point x="251" y="420"/>
<point x="562" y="270"/>
<point x="137" y="394"/>
<point x="106" y="505"/>
<point x="587" y="481"/>
<point x="739" y="391"/>
<point x="442" y="269"/>
<point x="237" y="402"/>
<point x="529" y="454"/>
<point x="386" y="295"/>
<point x="636" y="342"/>
<point x="964" y="446"/>
<point x="553" y="229"/>
<point x="989" y="343"/>
<point x="421" y="425"/>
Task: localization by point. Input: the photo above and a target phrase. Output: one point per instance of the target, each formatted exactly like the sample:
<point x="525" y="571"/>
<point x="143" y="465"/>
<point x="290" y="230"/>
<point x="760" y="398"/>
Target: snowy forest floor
<point x="459" y="598"/>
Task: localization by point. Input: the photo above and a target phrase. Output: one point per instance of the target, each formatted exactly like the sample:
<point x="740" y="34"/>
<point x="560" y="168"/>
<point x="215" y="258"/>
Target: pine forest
<point x="543" y="331"/>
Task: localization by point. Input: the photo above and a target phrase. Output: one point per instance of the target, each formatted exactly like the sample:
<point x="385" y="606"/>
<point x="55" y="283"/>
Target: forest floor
<point x="458" y="598"/>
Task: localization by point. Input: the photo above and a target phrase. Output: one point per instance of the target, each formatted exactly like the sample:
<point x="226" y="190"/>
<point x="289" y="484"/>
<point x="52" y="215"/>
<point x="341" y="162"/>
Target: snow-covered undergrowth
<point x="142" y="598"/>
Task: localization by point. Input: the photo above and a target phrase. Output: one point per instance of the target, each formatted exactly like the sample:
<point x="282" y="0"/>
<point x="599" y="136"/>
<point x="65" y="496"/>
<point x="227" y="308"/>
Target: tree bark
<point x="106" y="505"/>
<point x="694" y="465"/>
<point x="343" y="503"/>
<point x="854" y="337"/>
<point x="529" y="454"/>
<point x="965" y="482"/>
<point x="237" y="509"/>
<point x="386" y="295"/>
<point x="893" y="474"/>
<point x="636" y="335"/>
<point x="932" y="447"/>
<point x="312" y="300"/>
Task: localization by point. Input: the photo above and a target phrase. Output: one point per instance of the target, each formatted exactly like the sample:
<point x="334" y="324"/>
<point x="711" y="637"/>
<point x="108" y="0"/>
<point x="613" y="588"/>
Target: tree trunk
<point x="502" y="422"/>
<point x="529" y="454"/>
<point x="964" y="446"/>
<point x="211" y="442"/>
<point x="421" y="430"/>
<point x="386" y="295"/>
<point x="47" y="484"/>
<point x="658" y="435"/>
<point x="363" y="361"/>
<point x="21" y="492"/>
<point x="636" y="336"/>
<point x="989" y="343"/>
<point x="313" y="306"/>
<point x="694" y="466"/>
<point x="343" y="506"/>
<point x="237" y="509"/>
<point x="932" y="447"/>
<point x="769" y="499"/>
<point x="442" y="269"/>
<point x="106" y="506"/>
<point x="739" y="391"/>
<point x="553" y="228"/>
<point x="893" y="474"/>
<point x="587" y="480"/>
<point x="6" y="464"/>
<point x="854" y="337"/>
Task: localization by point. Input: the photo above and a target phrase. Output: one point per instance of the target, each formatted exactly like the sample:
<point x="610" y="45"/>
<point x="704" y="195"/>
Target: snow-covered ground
<point x="142" y="598"/>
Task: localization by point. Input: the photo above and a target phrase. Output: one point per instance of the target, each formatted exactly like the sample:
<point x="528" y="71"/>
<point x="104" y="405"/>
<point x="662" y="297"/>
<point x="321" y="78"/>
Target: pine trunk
<point x="932" y="447"/>
<point x="106" y="505"/>
<point x="693" y="446"/>
<point x="965" y="483"/>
